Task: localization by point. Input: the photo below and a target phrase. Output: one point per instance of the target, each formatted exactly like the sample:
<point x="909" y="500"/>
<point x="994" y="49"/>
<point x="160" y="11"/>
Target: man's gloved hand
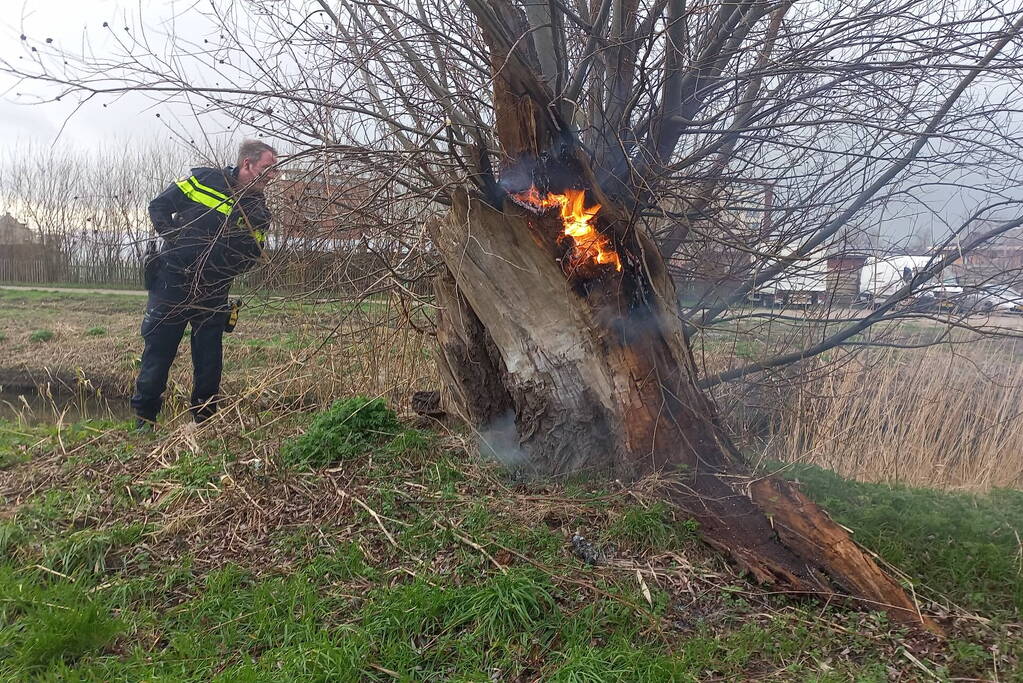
<point x="232" y="316"/>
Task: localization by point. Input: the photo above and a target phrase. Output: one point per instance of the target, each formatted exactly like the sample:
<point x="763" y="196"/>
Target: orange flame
<point x="577" y="218"/>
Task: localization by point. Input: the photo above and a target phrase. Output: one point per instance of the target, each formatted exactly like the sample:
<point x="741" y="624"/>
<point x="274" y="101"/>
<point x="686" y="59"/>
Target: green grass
<point x="15" y="440"/>
<point x="74" y="285"/>
<point x="96" y="332"/>
<point x="191" y="470"/>
<point x="652" y="527"/>
<point x="110" y="302"/>
<point x="958" y="545"/>
<point x="514" y="624"/>
<point x="49" y="624"/>
<point x="40" y="336"/>
<point x="89" y="550"/>
<point x="347" y="429"/>
<point x="100" y="578"/>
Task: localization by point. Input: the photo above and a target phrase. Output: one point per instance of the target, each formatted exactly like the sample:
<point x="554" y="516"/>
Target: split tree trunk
<point x="606" y="387"/>
<point x="593" y="368"/>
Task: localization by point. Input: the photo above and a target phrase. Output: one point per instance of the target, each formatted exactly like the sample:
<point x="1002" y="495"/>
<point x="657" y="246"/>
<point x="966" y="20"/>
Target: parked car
<point x="993" y="299"/>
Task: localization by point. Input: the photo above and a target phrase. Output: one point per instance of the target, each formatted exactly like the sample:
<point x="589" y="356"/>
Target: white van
<point x="883" y="277"/>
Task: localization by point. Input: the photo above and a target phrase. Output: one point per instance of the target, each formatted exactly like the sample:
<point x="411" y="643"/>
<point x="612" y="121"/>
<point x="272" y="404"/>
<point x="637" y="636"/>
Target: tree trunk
<point x="571" y="363"/>
<point x="595" y="373"/>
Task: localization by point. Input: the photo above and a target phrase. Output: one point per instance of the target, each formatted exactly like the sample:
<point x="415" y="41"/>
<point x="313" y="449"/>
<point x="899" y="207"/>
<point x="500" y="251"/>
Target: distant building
<point x="13" y="231"/>
<point x="844" y="268"/>
<point x="23" y="256"/>
<point x="718" y="257"/>
<point x="314" y="216"/>
<point x="998" y="263"/>
<point x="339" y="233"/>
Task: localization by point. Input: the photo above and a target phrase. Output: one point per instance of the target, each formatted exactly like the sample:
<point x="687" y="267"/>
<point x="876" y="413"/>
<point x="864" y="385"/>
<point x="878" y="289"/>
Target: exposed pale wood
<point x="809" y="532"/>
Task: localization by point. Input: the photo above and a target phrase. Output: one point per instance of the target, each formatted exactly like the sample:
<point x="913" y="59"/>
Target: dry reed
<point x="942" y="417"/>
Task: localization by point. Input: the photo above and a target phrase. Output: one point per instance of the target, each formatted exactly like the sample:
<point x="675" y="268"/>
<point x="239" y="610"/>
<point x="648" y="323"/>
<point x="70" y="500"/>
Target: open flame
<point x="588" y="245"/>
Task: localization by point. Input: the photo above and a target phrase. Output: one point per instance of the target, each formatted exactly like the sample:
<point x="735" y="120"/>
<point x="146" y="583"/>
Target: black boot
<point x="144" y="426"/>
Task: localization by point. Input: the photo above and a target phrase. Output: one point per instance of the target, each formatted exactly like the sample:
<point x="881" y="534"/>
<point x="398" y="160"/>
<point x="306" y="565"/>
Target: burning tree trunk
<point x="594" y="367"/>
<point x="558" y="315"/>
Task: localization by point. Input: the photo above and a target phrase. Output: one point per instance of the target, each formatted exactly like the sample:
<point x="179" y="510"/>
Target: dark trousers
<point x="162" y="329"/>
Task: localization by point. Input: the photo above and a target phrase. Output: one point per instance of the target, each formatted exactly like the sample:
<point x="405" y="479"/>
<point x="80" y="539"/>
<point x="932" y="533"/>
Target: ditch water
<point x="28" y="406"/>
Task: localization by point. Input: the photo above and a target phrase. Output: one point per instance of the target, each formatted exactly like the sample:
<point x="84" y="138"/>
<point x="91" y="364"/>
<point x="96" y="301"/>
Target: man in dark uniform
<point x="213" y="224"/>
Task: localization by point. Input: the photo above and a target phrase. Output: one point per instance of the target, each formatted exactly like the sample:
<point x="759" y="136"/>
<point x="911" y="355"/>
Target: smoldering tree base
<point x="597" y="377"/>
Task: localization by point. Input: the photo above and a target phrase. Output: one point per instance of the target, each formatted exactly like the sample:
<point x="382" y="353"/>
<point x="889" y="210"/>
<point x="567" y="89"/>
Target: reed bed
<point x="947" y="417"/>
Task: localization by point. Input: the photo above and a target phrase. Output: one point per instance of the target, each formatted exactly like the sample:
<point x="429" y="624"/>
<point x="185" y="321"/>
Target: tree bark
<point x="588" y="362"/>
<point x="596" y="372"/>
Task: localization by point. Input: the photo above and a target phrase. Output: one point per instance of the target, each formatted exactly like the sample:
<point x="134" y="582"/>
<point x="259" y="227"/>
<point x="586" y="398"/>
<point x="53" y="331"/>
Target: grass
<point x="283" y="354"/>
<point x="962" y="546"/>
<point x="49" y="299"/>
<point x="348" y="545"/>
<point x="939" y="417"/>
<point x="190" y="471"/>
<point x="40" y="336"/>
<point x="50" y="625"/>
<point x="134" y="287"/>
<point x="273" y="570"/>
<point x="14" y="444"/>
<point x="652" y="526"/>
<point x="347" y="429"/>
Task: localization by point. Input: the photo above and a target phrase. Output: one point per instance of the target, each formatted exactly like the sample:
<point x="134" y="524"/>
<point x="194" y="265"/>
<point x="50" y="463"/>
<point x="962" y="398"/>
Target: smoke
<point x="550" y="172"/>
<point x="499" y="439"/>
<point x="519" y="177"/>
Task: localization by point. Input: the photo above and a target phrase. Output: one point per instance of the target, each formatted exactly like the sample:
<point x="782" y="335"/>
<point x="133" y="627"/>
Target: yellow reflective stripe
<point x="224" y="206"/>
<point x="258" y="235"/>
<point x="200" y="194"/>
<point x="215" y="193"/>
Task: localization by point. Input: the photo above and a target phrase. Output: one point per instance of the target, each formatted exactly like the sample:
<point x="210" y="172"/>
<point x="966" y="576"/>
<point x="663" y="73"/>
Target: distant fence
<point x="42" y="271"/>
<point x="327" y="274"/>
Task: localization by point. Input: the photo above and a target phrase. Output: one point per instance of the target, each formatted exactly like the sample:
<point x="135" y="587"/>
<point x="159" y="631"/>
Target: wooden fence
<point x="45" y="271"/>
<point x="326" y="274"/>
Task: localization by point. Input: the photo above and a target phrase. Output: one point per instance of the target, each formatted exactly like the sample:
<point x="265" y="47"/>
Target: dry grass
<point x="281" y="355"/>
<point x="944" y="417"/>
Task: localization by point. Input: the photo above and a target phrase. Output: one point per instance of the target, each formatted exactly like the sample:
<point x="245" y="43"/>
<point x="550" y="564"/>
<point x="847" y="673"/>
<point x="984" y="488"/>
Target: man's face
<point x="256" y="174"/>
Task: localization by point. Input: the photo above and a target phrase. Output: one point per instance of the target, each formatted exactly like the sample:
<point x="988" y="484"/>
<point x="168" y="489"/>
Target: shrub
<point x="40" y="336"/>
<point x="347" y="429"/>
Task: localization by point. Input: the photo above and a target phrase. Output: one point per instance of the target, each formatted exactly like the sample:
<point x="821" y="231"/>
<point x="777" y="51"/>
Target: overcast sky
<point x="76" y="26"/>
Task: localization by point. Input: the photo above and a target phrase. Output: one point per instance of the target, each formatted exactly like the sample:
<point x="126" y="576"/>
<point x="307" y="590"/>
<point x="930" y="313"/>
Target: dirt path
<point x="73" y="290"/>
